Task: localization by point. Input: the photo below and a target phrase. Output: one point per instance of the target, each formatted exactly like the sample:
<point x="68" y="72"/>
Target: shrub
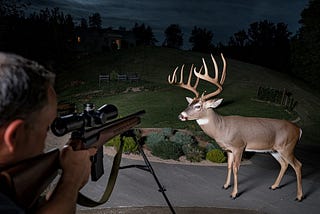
<point x="212" y="145"/>
<point x="170" y="144"/>
<point x="182" y="138"/>
<point x="155" y="138"/>
<point x="166" y="150"/>
<point x="216" y="155"/>
<point x="167" y="132"/>
<point x="129" y="146"/>
<point x="113" y="75"/>
<point x="193" y="152"/>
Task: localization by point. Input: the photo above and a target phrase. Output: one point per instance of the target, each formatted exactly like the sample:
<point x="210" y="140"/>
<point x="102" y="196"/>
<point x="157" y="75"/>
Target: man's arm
<point x="76" y="166"/>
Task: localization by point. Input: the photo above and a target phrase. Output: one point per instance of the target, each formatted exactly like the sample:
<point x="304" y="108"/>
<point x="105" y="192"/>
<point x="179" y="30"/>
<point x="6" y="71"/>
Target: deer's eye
<point x="197" y="107"/>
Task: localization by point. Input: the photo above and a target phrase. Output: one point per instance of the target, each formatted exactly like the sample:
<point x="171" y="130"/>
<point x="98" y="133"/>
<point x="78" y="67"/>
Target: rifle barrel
<point x="113" y="128"/>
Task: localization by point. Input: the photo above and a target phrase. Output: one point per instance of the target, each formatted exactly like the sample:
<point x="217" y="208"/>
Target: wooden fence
<point x="277" y="96"/>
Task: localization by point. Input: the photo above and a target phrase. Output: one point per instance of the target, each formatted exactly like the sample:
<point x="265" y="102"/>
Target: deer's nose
<point x="183" y="116"/>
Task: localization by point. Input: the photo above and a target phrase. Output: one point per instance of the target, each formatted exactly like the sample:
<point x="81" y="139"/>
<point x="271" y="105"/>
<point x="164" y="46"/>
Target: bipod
<point x="147" y="167"/>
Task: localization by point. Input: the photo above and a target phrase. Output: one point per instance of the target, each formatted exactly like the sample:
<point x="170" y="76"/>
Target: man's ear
<point x="189" y="100"/>
<point x="11" y="134"/>
<point x="214" y="103"/>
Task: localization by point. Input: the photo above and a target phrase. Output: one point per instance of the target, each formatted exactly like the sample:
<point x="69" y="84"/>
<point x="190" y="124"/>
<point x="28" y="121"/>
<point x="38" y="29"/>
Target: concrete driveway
<point x="198" y="189"/>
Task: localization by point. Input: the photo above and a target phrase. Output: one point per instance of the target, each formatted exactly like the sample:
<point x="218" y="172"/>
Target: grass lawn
<point x="78" y="82"/>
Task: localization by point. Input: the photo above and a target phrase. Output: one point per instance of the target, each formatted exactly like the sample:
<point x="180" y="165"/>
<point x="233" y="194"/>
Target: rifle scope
<point x="88" y="118"/>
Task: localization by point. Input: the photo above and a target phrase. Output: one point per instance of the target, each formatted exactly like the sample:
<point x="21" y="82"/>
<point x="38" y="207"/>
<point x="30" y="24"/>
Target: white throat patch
<point x="203" y="121"/>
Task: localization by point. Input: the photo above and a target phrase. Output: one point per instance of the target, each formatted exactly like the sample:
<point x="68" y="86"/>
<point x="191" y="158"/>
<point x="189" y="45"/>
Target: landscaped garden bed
<point x="167" y="144"/>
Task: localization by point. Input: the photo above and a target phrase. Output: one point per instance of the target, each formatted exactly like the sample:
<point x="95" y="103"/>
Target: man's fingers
<point x="92" y="151"/>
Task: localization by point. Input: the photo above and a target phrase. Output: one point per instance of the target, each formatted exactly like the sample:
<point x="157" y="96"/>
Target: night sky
<point x="222" y="17"/>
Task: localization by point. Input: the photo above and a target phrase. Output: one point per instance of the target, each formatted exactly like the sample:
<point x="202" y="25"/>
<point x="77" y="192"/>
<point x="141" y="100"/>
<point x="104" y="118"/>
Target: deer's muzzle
<point x="183" y="116"/>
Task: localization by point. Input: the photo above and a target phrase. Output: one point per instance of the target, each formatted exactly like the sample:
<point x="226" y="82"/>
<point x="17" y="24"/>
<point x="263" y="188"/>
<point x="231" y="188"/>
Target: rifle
<point x="25" y="181"/>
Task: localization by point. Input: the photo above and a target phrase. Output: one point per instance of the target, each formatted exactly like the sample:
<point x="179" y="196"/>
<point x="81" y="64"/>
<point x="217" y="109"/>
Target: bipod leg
<point x="146" y="167"/>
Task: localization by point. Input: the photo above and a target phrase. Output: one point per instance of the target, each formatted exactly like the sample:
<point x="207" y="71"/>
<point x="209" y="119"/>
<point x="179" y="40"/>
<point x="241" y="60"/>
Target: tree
<point x="239" y="39"/>
<point x="261" y="33"/>
<point x="201" y="40"/>
<point x="13" y="8"/>
<point x="143" y="34"/>
<point x="238" y="46"/>
<point x="264" y="43"/>
<point x="83" y="23"/>
<point x="305" y="60"/>
<point x="174" y="36"/>
<point x="95" y="21"/>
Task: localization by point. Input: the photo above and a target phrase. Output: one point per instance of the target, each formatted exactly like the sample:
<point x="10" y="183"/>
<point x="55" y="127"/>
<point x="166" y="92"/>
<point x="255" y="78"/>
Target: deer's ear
<point x="189" y="100"/>
<point x="214" y="103"/>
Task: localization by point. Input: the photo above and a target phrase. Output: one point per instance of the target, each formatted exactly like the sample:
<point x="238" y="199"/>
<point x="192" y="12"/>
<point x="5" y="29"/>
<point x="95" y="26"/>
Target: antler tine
<point x="189" y="79"/>
<point x="187" y="86"/>
<point x="174" y="78"/>
<point x="223" y="76"/>
<point x="214" y="80"/>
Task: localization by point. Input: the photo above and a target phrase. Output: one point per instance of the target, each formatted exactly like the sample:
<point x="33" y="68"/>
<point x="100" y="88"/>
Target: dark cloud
<point x="222" y="17"/>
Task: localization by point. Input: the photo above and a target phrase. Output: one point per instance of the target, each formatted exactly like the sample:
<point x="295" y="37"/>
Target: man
<point x="28" y="105"/>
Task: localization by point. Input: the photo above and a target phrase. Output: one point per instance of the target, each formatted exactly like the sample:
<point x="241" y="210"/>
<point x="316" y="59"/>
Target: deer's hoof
<point x="274" y="188"/>
<point x="299" y="199"/>
<point x="234" y="196"/>
<point x="226" y="187"/>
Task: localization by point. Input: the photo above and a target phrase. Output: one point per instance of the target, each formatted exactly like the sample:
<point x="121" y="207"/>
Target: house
<point x="98" y="40"/>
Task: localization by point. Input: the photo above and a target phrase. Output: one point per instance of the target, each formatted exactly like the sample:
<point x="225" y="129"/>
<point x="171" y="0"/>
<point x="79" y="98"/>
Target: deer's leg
<point x="284" y="165"/>
<point x="296" y="165"/>
<point x="230" y="161"/>
<point x="236" y="164"/>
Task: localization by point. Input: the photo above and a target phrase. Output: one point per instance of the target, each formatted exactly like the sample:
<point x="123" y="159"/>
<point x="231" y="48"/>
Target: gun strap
<point x="85" y="201"/>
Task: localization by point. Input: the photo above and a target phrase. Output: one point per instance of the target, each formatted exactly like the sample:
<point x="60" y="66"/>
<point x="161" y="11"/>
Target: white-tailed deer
<point x="236" y="134"/>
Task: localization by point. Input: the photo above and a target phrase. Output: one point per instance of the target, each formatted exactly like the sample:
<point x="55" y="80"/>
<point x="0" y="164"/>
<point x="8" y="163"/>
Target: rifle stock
<point x="25" y="181"/>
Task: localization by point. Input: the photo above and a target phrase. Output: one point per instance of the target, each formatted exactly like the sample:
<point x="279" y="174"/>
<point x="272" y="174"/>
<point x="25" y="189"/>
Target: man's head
<point x="27" y="107"/>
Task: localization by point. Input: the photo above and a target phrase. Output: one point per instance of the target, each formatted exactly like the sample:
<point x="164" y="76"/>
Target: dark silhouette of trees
<point x="174" y="37"/>
<point x="270" y="44"/>
<point x="144" y="35"/>
<point x="83" y="23"/>
<point x="201" y="40"/>
<point x="51" y="33"/>
<point x="264" y="43"/>
<point x="239" y="39"/>
<point x="44" y="36"/>
<point x="305" y="60"/>
<point x="95" y="21"/>
<point x="12" y="8"/>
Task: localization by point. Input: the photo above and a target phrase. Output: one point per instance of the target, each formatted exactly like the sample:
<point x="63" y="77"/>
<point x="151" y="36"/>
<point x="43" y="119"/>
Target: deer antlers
<point x="204" y="76"/>
<point x="181" y="84"/>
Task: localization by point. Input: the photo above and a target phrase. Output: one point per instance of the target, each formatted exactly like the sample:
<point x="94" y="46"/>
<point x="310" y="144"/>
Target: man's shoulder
<point x="8" y="206"/>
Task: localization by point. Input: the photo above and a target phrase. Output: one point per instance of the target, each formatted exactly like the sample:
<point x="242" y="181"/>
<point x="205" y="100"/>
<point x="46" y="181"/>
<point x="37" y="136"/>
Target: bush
<point x="166" y="150"/>
<point x="129" y="146"/>
<point x="155" y="138"/>
<point x="182" y="138"/>
<point x="167" y="132"/>
<point x="167" y="144"/>
<point x="193" y="152"/>
<point x="216" y="155"/>
<point x="171" y="144"/>
<point x="212" y="145"/>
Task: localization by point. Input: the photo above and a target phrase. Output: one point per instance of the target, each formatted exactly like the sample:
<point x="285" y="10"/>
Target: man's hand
<point x="76" y="165"/>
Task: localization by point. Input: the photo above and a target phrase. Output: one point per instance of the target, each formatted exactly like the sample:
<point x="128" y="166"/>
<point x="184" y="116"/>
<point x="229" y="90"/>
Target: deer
<point x="236" y="134"/>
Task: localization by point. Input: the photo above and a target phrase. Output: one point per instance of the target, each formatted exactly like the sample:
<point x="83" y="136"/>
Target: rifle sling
<point x="85" y="201"/>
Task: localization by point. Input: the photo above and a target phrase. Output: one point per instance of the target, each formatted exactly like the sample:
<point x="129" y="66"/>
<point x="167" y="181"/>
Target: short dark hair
<point x="23" y="87"/>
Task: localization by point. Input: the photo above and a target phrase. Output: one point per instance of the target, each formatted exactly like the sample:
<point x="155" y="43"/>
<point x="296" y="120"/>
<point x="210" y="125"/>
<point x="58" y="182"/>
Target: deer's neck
<point x="211" y="123"/>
